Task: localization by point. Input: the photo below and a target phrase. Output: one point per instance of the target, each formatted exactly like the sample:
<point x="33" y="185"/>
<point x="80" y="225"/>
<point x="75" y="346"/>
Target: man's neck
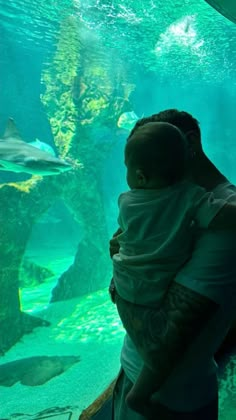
<point x="206" y="174"/>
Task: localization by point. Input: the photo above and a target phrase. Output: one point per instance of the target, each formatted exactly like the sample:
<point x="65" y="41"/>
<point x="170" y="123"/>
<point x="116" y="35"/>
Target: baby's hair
<point x="160" y="150"/>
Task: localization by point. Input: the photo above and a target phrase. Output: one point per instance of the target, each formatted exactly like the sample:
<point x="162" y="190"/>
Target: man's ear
<point x="193" y="139"/>
<point x="141" y="177"/>
<point x="194" y="142"/>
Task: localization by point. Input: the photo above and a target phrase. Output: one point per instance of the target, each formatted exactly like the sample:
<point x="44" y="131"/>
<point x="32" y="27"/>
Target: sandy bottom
<point x="88" y="327"/>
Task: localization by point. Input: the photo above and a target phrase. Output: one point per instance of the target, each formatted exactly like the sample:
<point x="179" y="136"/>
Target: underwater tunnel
<point x="75" y="77"/>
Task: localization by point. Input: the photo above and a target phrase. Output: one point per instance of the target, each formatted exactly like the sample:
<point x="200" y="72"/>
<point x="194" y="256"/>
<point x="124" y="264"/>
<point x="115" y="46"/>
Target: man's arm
<point x="166" y="333"/>
<point x="182" y="316"/>
<point x="173" y="327"/>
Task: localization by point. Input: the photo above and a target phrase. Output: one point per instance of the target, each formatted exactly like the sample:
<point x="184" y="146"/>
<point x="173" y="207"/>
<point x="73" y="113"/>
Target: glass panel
<point x="75" y="77"/>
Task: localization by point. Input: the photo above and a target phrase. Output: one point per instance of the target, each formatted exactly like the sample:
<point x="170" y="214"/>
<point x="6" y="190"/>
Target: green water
<point x="68" y="70"/>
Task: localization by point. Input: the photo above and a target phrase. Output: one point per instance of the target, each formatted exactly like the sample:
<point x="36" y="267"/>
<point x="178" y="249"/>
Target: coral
<point x="25" y="186"/>
<point x="58" y="80"/>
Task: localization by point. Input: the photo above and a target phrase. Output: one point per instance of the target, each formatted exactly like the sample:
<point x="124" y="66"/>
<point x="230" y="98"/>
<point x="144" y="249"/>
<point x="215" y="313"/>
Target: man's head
<point x="181" y="119"/>
<point x="156" y="156"/>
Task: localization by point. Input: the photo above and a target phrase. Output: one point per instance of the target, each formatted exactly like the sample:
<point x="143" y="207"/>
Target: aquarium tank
<point x="75" y="76"/>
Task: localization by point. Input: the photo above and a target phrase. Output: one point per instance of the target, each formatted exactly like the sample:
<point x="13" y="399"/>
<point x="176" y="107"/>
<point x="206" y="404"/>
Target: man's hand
<point x="113" y="249"/>
<point x="150" y="410"/>
<point x="114" y="244"/>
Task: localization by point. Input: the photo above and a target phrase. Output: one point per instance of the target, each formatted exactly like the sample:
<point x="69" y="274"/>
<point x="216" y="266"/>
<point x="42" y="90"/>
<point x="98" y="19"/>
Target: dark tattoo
<point x="162" y="335"/>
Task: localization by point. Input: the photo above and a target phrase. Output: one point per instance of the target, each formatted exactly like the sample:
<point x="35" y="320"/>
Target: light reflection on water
<point x="141" y="32"/>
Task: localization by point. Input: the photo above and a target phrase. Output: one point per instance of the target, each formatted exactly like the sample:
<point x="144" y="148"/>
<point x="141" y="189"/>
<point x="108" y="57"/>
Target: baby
<point x="158" y="218"/>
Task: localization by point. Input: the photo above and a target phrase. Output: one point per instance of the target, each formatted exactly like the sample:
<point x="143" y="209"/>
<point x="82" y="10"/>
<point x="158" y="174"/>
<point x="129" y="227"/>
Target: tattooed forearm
<point x="162" y="335"/>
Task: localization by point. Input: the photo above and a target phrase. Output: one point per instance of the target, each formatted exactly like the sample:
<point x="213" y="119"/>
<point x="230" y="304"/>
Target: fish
<point x="127" y="120"/>
<point x="16" y="155"/>
<point x="43" y="146"/>
<point x="36" y="370"/>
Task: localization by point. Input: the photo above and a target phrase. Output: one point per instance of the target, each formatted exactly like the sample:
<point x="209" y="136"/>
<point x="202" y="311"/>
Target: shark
<point x="16" y="155"/>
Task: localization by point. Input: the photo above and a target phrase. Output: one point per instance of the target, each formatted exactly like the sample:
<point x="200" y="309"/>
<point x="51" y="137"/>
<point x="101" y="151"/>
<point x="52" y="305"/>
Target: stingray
<point x="18" y="156"/>
<point x="34" y="371"/>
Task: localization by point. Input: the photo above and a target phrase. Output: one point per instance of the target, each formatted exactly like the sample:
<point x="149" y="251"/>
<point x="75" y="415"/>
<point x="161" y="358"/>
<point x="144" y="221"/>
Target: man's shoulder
<point x="226" y="190"/>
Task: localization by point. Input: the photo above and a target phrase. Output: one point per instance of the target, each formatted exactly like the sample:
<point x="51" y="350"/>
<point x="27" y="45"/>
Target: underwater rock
<point x="84" y="97"/>
<point x="34" y="371"/>
<point x="22" y="204"/>
<point x="14" y="327"/>
<point x="32" y="274"/>
<point x="86" y="275"/>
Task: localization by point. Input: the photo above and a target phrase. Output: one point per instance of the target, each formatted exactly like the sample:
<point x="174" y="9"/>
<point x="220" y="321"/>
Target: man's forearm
<point x="163" y="335"/>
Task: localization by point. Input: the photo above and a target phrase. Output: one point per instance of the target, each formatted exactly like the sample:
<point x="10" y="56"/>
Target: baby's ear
<point x="141" y="177"/>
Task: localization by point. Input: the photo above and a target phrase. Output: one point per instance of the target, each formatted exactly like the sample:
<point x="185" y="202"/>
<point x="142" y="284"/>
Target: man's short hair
<point x="180" y="119"/>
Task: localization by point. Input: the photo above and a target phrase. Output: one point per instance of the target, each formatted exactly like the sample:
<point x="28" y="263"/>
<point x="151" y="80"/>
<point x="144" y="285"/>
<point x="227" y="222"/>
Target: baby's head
<point x="156" y="156"/>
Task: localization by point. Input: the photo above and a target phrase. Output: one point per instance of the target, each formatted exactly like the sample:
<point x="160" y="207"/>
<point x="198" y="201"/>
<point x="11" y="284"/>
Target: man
<point x="205" y="286"/>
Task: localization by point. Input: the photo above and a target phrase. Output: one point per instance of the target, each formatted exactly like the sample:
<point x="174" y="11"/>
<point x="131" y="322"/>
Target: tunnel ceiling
<point x="226" y="7"/>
